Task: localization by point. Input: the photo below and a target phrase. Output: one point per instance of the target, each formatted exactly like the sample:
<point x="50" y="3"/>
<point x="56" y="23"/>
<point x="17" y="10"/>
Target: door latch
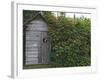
<point x="45" y="40"/>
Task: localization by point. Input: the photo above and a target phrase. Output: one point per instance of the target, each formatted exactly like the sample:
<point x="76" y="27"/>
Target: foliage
<point x="70" y="40"/>
<point x="27" y="15"/>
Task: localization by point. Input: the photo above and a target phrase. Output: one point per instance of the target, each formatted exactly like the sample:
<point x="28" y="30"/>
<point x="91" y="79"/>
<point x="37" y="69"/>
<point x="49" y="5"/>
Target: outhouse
<point x="36" y="45"/>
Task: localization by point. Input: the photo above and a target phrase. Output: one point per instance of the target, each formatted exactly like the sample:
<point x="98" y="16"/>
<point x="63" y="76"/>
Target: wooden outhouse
<point x="36" y="46"/>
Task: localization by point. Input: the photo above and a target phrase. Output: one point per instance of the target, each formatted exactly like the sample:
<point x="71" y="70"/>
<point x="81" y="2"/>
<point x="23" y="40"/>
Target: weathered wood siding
<point x="35" y="49"/>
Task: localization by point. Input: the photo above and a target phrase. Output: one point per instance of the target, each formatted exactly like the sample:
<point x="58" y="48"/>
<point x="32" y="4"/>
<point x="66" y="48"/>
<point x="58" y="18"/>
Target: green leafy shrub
<point x="70" y="43"/>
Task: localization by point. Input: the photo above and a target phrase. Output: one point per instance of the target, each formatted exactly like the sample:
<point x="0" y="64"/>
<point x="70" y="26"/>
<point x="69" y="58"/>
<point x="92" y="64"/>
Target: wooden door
<point x="44" y="48"/>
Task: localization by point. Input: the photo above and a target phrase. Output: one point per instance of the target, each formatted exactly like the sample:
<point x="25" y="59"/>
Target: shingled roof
<point x="37" y="16"/>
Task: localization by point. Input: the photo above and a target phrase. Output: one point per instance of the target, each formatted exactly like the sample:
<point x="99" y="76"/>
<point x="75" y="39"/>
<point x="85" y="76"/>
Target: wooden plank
<point x="31" y="52"/>
<point x="32" y="49"/>
<point x="31" y="56"/>
<point x="31" y="62"/>
<point x="32" y="45"/>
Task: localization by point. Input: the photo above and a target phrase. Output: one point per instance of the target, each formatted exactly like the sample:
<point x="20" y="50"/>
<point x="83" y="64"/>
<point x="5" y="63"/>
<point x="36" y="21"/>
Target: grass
<point x="34" y="66"/>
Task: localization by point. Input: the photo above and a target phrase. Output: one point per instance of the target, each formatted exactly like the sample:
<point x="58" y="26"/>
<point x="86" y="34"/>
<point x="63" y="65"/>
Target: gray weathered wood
<point x="36" y="51"/>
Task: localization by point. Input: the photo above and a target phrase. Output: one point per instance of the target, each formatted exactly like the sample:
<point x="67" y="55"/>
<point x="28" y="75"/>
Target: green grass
<point x="34" y="66"/>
